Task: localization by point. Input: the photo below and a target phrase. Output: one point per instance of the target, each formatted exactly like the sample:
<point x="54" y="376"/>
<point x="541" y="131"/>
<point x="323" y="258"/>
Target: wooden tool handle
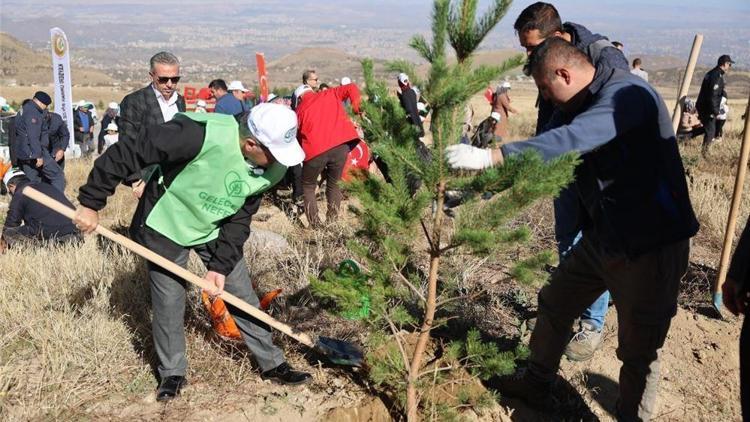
<point x="171" y="267"/>
<point x="739" y="183"/>
<point x="686" y="78"/>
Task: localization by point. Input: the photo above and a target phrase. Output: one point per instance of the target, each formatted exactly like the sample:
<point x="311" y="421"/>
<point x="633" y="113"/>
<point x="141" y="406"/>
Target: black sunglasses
<point x="165" y="79"/>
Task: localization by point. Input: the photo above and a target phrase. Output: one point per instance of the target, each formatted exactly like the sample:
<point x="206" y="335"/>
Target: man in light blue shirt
<point x="225" y="102"/>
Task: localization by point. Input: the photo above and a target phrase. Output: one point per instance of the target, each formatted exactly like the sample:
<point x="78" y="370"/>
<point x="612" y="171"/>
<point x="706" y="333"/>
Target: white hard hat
<point x="113" y="105"/>
<point x="403" y="78"/>
<point x="345" y="81"/>
<point x="236" y="85"/>
<point x="275" y="126"/>
<point x="11" y="173"/>
<point x="111" y="126"/>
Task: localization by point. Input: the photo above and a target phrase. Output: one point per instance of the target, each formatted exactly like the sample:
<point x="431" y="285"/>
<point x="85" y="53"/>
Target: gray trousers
<point x="644" y="291"/>
<point x="168" y="294"/>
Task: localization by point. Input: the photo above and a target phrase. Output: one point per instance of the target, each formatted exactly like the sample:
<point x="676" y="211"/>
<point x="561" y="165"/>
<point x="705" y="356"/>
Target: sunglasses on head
<point x="165" y="79"/>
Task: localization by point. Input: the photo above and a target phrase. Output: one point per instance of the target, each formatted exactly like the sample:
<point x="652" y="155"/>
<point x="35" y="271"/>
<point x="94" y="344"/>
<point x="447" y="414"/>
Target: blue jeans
<point x="568" y="234"/>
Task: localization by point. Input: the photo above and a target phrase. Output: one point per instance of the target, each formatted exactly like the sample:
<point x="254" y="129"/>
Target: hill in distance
<point x="21" y="65"/>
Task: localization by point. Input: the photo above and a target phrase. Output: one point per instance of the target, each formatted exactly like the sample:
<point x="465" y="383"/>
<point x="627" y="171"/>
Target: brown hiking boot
<point x="584" y="343"/>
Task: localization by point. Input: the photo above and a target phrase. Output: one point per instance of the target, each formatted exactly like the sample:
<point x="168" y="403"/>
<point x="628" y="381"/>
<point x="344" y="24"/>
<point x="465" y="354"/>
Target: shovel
<point x="739" y="183"/>
<point x="337" y="351"/>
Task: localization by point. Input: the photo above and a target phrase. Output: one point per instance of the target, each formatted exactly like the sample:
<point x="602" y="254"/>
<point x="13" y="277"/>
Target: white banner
<point x="61" y="80"/>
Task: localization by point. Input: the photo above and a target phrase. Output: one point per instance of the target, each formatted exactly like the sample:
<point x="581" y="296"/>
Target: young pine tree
<point x="396" y="221"/>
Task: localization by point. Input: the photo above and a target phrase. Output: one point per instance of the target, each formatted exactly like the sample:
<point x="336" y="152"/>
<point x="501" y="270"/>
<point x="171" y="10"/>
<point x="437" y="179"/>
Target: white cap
<point x="83" y="103"/>
<point x="505" y="84"/>
<point x="275" y="126"/>
<point x="345" y="81"/>
<point x="236" y="85"/>
<point x="113" y="105"/>
<point x="3" y="102"/>
<point x="495" y="115"/>
<point x="200" y="103"/>
<point x="421" y="106"/>
<point x="11" y="173"/>
<point x="403" y="78"/>
<point x="301" y="90"/>
<point x="111" y="126"/>
<point x="271" y="97"/>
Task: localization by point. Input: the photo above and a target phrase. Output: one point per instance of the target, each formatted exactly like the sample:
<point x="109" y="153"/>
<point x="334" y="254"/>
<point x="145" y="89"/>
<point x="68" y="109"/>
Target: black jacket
<point x="741" y="261"/>
<point x="408" y="99"/>
<point x="709" y="97"/>
<point x="106" y="120"/>
<point x="139" y="110"/>
<point x="38" y="221"/>
<point x="57" y="130"/>
<point x="172" y="146"/>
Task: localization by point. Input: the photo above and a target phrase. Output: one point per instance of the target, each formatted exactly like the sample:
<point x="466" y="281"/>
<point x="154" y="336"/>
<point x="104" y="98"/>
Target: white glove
<point x="463" y="156"/>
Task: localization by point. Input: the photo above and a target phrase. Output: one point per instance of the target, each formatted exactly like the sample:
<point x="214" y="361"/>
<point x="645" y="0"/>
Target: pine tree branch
<point x="453" y="299"/>
<point x="400" y="344"/>
<point x="435" y="370"/>
<point x="427" y="234"/>
<point x="408" y="283"/>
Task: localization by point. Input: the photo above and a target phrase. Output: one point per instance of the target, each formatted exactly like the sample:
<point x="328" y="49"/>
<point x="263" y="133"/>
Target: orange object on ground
<point x="265" y="303"/>
<point x="222" y="322"/>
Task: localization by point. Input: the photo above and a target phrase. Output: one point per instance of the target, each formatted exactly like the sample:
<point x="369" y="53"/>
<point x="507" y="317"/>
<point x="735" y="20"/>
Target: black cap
<point x="43" y="97"/>
<point x="725" y="59"/>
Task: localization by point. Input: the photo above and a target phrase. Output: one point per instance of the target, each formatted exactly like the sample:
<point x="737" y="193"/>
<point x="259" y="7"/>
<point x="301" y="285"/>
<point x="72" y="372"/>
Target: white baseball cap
<point x="111" y="126"/>
<point x="236" y="85"/>
<point x="3" y="102"/>
<point x="345" y="81"/>
<point x="113" y="105"/>
<point x="200" y="103"/>
<point x="11" y="173"/>
<point x="505" y="84"/>
<point x="82" y="103"/>
<point x="403" y="78"/>
<point x="495" y="115"/>
<point x="275" y="126"/>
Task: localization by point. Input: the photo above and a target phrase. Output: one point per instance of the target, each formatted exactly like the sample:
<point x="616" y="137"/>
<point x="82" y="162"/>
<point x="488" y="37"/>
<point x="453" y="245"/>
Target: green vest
<point x="211" y="187"/>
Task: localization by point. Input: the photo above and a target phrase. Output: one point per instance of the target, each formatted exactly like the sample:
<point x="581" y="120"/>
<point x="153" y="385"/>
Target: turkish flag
<point x="357" y="161"/>
<point x="260" y="60"/>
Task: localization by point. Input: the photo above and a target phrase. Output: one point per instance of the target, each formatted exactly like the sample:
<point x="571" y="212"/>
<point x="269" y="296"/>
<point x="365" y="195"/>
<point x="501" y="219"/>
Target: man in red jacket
<point x="325" y="130"/>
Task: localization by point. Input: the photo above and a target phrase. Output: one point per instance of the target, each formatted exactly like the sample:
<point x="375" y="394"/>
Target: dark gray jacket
<point x="57" y="129"/>
<point x="631" y="181"/>
<point x="598" y="49"/>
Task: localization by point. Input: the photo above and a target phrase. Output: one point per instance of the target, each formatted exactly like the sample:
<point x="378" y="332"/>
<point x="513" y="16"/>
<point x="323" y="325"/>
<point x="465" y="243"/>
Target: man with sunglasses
<point x="535" y="24"/>
<point x="214" y="174"/>
<point x="152" y="105"/>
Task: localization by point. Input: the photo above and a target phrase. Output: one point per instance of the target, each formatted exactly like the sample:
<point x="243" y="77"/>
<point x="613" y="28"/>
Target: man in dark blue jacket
<point x="638" y="219"/>
<point x="709" y="98"/>
<point x="59" y="138"/>
<point x="536" y="23"/>
<point x="30" y="221"/>
<point x="32" y="139"/>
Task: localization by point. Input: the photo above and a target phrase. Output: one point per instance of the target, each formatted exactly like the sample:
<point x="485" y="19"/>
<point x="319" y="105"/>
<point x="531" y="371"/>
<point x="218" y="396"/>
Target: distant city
<point x="222" y="36"/>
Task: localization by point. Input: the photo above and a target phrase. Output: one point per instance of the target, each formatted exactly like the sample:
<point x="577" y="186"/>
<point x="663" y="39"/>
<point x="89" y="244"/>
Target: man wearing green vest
<point x="210" y="179"/>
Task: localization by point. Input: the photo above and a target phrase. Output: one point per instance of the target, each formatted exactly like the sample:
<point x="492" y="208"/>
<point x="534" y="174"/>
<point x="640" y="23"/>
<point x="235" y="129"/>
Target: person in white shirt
<point x="112" y="136"/>
<point x="637" y="71"/>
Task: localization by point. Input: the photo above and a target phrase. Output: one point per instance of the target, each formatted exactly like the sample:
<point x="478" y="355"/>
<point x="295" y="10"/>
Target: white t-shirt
<point x="168" y="107"/>
<point x="640" y="72"/>
<point x="110" y="140"/>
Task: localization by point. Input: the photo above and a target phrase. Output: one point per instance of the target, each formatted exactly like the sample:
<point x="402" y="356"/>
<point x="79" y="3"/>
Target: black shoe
<point x="284" y="374"/>
<point x="170" y="387"/>
<point x="521" y="385"/>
